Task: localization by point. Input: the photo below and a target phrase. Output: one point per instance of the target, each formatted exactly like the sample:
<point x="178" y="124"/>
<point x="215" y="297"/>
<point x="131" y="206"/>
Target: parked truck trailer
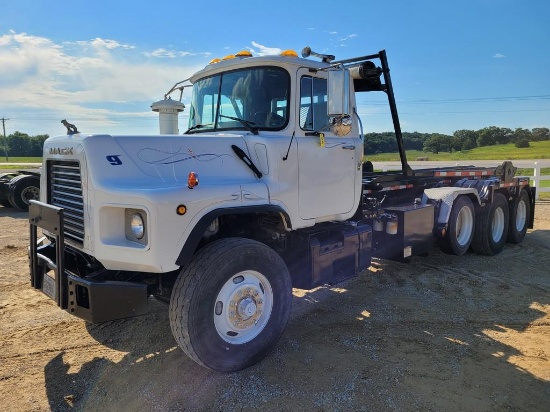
<point x="19" y="187"/>
<point x="266" y="190"/>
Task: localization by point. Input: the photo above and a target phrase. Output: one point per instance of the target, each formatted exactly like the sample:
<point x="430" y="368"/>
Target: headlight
<point x="137" y="226"/>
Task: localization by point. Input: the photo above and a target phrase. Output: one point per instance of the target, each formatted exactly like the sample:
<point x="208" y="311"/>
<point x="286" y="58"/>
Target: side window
<point x="313" y="104"/>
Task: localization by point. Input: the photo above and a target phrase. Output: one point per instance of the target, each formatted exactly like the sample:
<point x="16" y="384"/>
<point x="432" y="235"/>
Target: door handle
<point x="348" y="147"/>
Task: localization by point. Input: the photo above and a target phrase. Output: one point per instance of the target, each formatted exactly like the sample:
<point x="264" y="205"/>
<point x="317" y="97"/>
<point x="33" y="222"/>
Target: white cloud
<point x="498" y="56"/>
<point x="346" y="38"/>
<point x="42" y="79"/>
<point x="172" y="54"/>
<point x="261" y="50"/>
<point x="109" y="44"/>
<point x="162" y="53"/>
<point x="100" y="43"/>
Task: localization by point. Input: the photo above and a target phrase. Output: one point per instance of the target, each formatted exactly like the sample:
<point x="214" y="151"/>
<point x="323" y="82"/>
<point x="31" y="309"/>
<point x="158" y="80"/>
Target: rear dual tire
<point x="460" y="232"/>
<point x="492" y="225"/>
<point x="520" y="215"/>
<point x="23" y="189"/>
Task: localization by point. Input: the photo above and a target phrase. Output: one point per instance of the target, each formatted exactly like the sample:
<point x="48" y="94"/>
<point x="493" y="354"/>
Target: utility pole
<point x="5" y="142"/>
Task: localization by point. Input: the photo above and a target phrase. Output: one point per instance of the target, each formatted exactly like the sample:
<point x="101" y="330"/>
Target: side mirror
<point x="338" y="93"/>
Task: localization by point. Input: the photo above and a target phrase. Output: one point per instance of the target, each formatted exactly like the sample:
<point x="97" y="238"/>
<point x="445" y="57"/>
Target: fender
<point x="447" y="196"/>
<point x="196" y="234"/>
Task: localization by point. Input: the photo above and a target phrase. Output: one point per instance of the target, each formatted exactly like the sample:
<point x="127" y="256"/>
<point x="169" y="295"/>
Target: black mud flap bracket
<point x="93" y="301"/>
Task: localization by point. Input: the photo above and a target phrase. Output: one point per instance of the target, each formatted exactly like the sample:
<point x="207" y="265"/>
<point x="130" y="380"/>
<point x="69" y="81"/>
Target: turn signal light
<point x="181" y="210"/>
<point x="192" y="180"/>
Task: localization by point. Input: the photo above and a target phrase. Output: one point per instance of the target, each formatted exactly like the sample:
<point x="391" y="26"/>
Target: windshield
<point x="250" y="99"/>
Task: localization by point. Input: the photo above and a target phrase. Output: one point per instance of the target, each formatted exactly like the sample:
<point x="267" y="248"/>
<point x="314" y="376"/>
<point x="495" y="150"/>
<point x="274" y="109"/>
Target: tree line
<point x="22" y="145"/>
<point x="460" y="140"/>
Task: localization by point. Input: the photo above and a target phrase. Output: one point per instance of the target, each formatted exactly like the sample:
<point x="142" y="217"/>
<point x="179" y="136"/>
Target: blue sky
<point x="100" y="64"/>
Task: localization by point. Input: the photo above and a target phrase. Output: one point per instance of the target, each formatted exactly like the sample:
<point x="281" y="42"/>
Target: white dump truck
<point x="266" y="190"/>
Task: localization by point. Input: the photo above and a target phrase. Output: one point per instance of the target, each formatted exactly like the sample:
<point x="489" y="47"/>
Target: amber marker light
<point x="243" y="53"/>
<point x="192" y="180"/>
<point x="214" y="61"/>
<point x="181" y="210"/>
<point x="288" y="53"/>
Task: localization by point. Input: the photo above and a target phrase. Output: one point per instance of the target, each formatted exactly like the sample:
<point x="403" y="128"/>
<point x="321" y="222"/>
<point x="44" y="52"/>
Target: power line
<point x="478" y="100"/>
<point x="472" y="100"/>
<point x="461" y="112"/>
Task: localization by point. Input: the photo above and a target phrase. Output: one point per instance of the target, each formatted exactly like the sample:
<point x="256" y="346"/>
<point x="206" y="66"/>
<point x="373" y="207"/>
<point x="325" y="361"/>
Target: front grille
<point x="65" y="190"/>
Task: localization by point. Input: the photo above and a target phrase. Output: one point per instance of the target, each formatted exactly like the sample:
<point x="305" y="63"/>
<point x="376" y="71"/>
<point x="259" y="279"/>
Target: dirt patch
<point x="440" y="333"/>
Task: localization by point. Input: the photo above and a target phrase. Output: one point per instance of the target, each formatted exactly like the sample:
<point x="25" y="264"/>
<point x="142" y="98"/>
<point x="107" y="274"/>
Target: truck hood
<point x="159" y="161"/>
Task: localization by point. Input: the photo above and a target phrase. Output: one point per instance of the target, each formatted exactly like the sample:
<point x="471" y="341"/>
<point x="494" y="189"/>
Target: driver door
<point x="327" y="166"/>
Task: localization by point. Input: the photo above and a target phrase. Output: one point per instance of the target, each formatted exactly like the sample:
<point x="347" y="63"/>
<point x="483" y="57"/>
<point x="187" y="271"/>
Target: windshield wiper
<point x="250" y="126"/>
<point x="197" y="126"/>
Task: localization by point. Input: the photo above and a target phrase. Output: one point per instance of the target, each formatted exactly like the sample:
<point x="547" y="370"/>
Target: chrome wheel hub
<point x="243" y="307"/>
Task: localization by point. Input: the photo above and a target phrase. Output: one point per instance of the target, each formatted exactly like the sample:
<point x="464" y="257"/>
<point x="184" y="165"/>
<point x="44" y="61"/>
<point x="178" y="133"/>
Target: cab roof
<point x="242" y="62"/>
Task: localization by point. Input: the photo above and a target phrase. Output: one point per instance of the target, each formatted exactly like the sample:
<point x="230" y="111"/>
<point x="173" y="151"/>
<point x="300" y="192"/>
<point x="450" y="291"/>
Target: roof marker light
<point x="214" y="61"/>
<point x="243" y="53"/>
<point x="228" y="57"/>
<point x="288" y="53"/>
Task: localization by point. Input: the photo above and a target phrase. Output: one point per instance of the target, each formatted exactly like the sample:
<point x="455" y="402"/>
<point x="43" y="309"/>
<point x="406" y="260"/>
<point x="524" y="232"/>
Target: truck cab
<point x="278" y="104"/>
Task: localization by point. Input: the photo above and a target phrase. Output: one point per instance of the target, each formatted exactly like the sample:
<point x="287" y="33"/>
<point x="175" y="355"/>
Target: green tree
<point x="37" y="145"/>
<point x="492" y="135"/>
<point x="503" y="135"/>
<point x="437" y="143"/>
<point x="540" y="133"/>
<point x="19" y="144"/>
<point x="521" y="143"/>
<point x="522" y="134"/>
<point x="467" y="139"/>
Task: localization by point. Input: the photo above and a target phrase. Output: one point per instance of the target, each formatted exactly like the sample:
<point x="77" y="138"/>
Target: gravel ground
<point x="442" y="333"/>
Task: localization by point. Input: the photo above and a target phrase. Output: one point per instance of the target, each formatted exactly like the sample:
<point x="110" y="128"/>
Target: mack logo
<point x="61" y="150"/>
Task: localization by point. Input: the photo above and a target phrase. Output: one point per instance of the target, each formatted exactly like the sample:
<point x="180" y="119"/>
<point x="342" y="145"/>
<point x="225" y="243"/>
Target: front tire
<point x="230" y="306"/>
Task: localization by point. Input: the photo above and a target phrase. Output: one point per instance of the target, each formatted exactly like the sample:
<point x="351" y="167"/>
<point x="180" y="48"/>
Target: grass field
<point x="21" y="160"/>
<point x="538" y="150"/>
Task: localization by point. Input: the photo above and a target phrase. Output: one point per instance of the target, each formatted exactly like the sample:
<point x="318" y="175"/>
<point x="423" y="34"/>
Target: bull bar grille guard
<point x="93" y="301"/>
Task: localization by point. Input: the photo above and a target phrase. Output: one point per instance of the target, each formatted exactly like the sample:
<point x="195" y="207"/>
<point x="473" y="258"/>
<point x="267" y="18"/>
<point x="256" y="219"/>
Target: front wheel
<point x="230" y="306"/>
